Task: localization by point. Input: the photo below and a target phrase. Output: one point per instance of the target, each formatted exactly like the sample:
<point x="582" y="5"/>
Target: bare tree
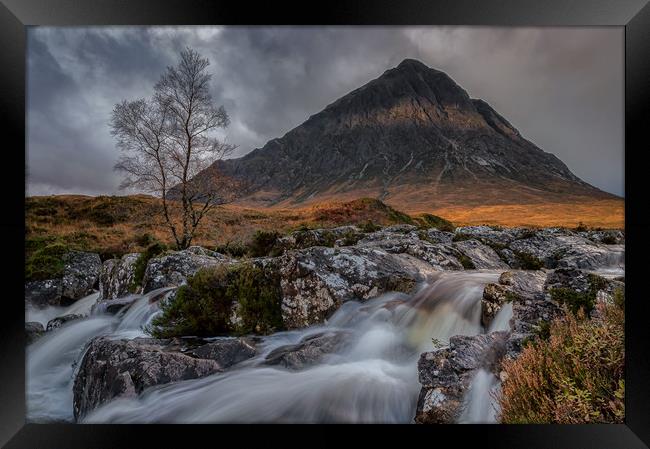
<point x="168" y="140"/>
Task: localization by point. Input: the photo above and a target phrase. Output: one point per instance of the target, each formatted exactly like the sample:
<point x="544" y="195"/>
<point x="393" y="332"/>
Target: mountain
<point x="412" y="138"/>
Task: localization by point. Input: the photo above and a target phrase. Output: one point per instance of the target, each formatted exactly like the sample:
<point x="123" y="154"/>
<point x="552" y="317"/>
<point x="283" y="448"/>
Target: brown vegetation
<point x="575" y="376"/>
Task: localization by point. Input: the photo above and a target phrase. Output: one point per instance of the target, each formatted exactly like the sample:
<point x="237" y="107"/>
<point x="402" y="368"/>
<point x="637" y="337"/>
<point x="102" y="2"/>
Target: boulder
<point x="117" y="276"/>
<point x="446" y="374"/>
<point x="33" y="331"/>
<point x="607" y="237"/>
<point x="80" y="275"/>
<point x="112" y="306"/>
<point x="172" y="270"/>
<point x="440" y="256"/>
<point x="59" y="321"/>
<point x="557" y="247"/>
<point x="481" y="256"/>
<point x="339" y="236"/>
<point x="513" y="286"/>
<point x="124" y="368"/>
<point x="493" y="235"/>
<point x="43" y="293"/>
<point x="317" y="280"/>
<point x="309" y="351"/>
<point x="435" y="236"/>
<point x="226" y="351"/>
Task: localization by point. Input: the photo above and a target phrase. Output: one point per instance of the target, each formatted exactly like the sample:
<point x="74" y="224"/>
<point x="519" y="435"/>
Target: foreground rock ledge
<point x="124" y="368"/>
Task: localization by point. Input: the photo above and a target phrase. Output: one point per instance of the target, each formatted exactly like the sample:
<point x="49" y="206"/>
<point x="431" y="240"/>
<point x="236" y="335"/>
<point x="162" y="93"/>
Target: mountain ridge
<point x="410" y="137"/>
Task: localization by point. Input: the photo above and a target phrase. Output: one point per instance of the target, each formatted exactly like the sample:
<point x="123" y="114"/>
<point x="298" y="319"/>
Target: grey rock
<point x="80" y="275"/>
<point x="33" y="331"/>
<point x="226" y="351"/>
<point x="607" y="237"/>
<point x="339" y="236"/>
<point x="316" y="281"/>
<point x="309" y="351"/>
<point x="562" y="248"/>
<point x="172" y="270"/>
<point x="43" y="293"/>
<point x="446" y="374"/>
<point x="112" y="306"/>
<point x="435" y="236"/>
<point x="482" y="256"/>
<point x="124" y="368"/>
<point x="117" y="276"/>
<point x="59" y="321"/>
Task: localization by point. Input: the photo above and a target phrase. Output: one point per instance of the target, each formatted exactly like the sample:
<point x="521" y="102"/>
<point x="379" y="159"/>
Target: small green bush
<point x="426" y="221"/>
<point x="46" y="262"/>
<point x="609" y="239"/>
<point x="264" y="244"/>
<point x="204" y="306"/>
<point x="460" y="236"/>
<point x="141" y="264"/>
<point x="260" y="299"/>
<point x="581" y="227"/>
<point x="528" y="261"/>
<point x="369" y="227"/>
<point x="201" y="308"/>
<point x="574" y="300"/>
<point x="233" y="249"/>
<point x="145" y="239"/>
<point x="466" y="262"/>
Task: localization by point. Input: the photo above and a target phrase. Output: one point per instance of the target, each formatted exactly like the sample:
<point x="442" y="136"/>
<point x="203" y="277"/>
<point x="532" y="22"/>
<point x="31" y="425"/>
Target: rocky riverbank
<point x="319" y="271"/>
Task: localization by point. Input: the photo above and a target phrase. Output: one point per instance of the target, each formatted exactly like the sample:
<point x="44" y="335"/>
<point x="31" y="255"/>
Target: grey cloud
<point x="563" y="88"/>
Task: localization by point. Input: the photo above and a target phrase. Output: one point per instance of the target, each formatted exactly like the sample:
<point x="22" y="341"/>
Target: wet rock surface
<point x="226" y="351"/>
<point x="124" y="368"/>
<point x="33" y="331"/>
<point x="446" y="374"/>
<point x="61" y="320"/>
<point x="308" y="351"/>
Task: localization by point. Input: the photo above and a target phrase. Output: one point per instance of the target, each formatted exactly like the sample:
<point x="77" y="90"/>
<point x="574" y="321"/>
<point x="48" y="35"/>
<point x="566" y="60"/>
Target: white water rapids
<point x="372" y="379"/>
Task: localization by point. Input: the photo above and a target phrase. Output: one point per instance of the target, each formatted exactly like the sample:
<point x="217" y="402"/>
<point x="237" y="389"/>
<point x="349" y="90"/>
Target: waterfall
<point x="373" y="378"/>
<point x="51" y="360"/>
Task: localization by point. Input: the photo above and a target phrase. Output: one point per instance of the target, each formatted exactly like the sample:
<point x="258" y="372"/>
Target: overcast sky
<point x="561" y="87"/>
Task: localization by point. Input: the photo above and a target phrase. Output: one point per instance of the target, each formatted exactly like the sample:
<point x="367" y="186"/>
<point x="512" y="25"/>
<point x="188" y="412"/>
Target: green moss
<point x="574" y="300"/>
<point x="233" y="249"/>
<point x="204" y="305"/>
<point x="619" y="298"/>
<point x="426" y="221"/>
<point x="141" y="264"/>
<point x="528" y="261"/>
<point x="264" y="243"/>
<point x="459" y="237"/>
<point x="466" y="262"/>
<point x="46" y="262"/>
<point x="369" y="227"/>
<point x="543" y="331"/>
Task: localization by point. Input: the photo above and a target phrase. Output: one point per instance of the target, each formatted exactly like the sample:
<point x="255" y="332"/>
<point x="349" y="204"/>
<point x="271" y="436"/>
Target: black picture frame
<point x="633" y="15"/>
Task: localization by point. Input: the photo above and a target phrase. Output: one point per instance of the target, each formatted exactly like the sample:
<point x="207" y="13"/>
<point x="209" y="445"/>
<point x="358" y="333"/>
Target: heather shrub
<point x="574" y="376"/>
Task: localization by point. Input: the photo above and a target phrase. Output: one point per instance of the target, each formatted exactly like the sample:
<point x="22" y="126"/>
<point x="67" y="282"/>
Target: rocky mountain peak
<point x="412" y="137"/>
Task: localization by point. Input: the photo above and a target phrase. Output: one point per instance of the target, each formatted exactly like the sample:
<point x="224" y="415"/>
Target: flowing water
<point x="51" y="360"/>
<point x="373" y="378"/>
